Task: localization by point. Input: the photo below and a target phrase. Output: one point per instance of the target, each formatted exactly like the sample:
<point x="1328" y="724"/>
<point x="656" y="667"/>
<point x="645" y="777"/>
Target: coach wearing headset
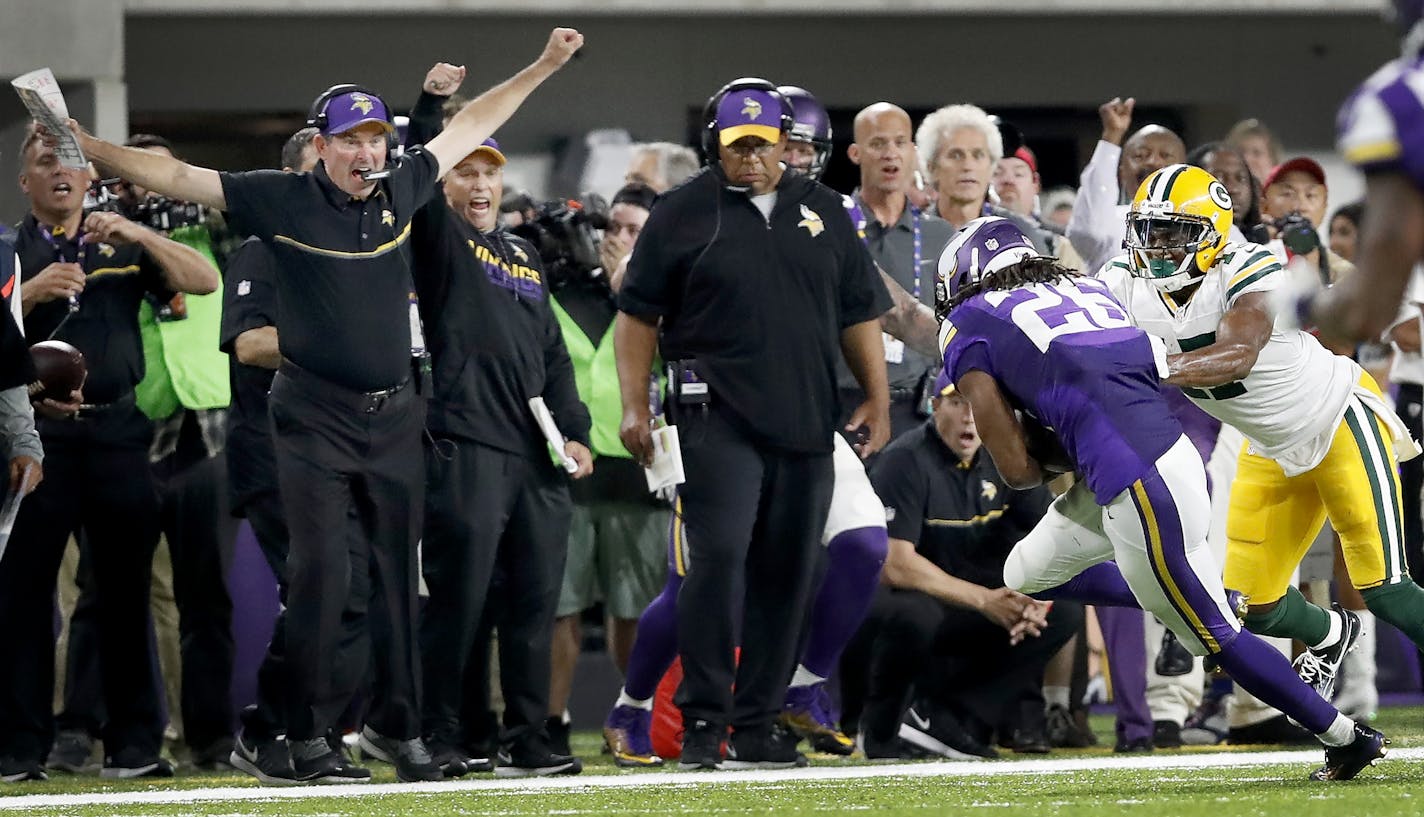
<point x="345" y="404"/>
<point x="750" y="281"/>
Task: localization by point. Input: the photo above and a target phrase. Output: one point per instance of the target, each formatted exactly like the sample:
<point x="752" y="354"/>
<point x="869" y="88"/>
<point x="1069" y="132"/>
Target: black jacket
<point x="758" y="303"/>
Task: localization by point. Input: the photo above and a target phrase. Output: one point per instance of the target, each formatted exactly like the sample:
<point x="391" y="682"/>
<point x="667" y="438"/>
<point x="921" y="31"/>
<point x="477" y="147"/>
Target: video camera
<point x="157" y="212"/>
<point x="564" y="231"/>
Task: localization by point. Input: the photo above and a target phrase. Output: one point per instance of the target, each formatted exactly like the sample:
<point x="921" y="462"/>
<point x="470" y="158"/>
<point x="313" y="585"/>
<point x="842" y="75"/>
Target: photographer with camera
<point x="617" y="543"/>
<point x="84" y="277"/>
<point x="1293" y="201"/>
<point x="185" y="393"/>
<point x="494" y="497"/>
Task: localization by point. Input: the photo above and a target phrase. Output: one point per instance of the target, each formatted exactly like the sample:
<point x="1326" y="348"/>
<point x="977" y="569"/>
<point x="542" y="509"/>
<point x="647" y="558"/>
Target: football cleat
<point x="1344" y="762"/>
<point x="627" y="733"/>
<point x="1318" y="668"/>
<point x="807" y="715"/>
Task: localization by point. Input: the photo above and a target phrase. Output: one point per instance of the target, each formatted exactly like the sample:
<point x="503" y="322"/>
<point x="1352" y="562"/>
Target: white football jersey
<point x="1296" y="391"/>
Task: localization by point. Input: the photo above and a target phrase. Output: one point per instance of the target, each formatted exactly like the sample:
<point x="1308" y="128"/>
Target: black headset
<point x="709" y="113"/>
<point x="316" y="116"/>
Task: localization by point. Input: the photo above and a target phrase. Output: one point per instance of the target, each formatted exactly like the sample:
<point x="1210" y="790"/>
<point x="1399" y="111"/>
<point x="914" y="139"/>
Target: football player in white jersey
<point x="1320" y="441"/>
<point x="1381" y="131"/>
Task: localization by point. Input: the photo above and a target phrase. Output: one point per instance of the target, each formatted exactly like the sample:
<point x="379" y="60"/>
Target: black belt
<point x="368" y="402"/>
<point x="90" y="411"/>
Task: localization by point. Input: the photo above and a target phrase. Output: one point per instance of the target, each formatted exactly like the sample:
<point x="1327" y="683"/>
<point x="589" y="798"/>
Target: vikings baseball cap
<point x="748" y="112"/>
<point x="353" y="109"/>
<point x="491" y="148"/>
<point x="1304" y="164"/>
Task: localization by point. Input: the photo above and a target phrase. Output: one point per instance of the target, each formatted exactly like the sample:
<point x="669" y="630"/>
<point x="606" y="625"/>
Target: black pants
<point x="753" y="518"/>
<point x="267" y="717"/>
<point x="953" y="656"/>
<point x="487" y="508"/>
<point x="338" y="453"/>
<point x="97" y="479"/>
<point x="1410" y="407"/>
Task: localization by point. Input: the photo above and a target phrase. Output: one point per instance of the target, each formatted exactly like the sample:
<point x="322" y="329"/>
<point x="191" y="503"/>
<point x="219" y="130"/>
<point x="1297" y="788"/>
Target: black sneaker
<point x="1319" y="668"/>
<point x="1272" y="731"/>
<point x="267" y="760"/>
<point x="558" y="731"/>
<point x="215" y="756"/>
<point x="1344" y="762"/>
<point x="13" y="770"/>
<point x="1030" y="735"/>
<point x="769" y="746"/>
<point x="478" y="757"/>
<point x="413" y="761"/>
<point x="936" y="730"/>
<point x="1134" y="746"/>
<point x="451" y="760"/>
<point x="892" y="748"/>
<point x="314" y="761"/>
<point x="73" y="752"/>
<point x="1173" y="660"/>
<point x="1064" y="731"/>
<point x="128" y="764"/>
<point x="530" y="756"/>
<point x="702" y="746"/>
<point x="1166" y="734"/>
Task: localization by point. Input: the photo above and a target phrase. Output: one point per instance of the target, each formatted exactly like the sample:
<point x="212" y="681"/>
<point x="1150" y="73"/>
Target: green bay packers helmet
<point x="1179" y="222"/>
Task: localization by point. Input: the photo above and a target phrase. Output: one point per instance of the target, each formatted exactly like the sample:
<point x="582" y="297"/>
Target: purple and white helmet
<point x="984" y="245"/>
<point x="811" y="124"/>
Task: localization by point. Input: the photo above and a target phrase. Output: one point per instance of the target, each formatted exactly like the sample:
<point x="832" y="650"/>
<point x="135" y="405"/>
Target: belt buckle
<point x="376" y="400"/>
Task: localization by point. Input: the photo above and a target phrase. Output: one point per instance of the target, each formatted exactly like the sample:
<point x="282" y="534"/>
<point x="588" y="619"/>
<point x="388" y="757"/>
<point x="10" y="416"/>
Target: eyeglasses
<point x="744" y="151"/>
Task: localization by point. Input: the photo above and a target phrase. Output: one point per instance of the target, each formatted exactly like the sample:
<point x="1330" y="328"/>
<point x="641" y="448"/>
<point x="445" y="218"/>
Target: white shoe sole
<point x="542" y="771"/>
<point x="926" y="741"/>
<point x="370" y="751"/>
<point x="242" y="764"/>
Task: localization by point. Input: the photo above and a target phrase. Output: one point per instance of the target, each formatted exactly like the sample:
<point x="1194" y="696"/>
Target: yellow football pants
<point x="1273" y="519"/>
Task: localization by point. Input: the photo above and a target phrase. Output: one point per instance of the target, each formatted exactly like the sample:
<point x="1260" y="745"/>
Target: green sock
<point x="1292" y="617"/>
<point x="1401" y="605"/>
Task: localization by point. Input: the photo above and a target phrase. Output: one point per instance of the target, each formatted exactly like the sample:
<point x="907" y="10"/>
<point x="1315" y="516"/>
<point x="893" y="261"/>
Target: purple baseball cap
<point x="491" y="148"/>
<point x="942" y="386"/>
<point x="748" y="112"/>
<point x="353" y="109"/>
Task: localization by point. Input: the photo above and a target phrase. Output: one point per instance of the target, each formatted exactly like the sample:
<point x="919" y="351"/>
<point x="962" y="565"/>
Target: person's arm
<point x="156" y="171"/>
<point x="1094" y="229"/>
<point x="484" y="115"/>
<point x="1000" y="430"/>
<point x="442" y="81"/>
<point x="909" y="320"/>
<point x="635" y="342"/>
<point x="864" y="352"/>
<point x="561" y="394"/>
<point x="182" y="268"/>
<point x="258" y="347"/>
<point x="22" y="442"/>
<point x="1405" y="334"/>
<point x="905" y="568"/>
<point x="1361" y="306"/>
<point x="1240" y="337"/>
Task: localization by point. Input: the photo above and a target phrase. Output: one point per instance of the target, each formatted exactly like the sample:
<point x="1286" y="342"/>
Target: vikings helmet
<point x="984" y="245"/>
<point x="810" y="124"/>
<point x="1179" y="209"/>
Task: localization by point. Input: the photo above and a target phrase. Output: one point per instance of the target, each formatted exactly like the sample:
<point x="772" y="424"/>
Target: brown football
<point x="59" y="368"/>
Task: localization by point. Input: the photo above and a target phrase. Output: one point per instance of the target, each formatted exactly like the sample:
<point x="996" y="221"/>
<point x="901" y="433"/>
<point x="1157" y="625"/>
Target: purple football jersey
<point x="1381" y="125"/>
<point x="1066" y="354"/>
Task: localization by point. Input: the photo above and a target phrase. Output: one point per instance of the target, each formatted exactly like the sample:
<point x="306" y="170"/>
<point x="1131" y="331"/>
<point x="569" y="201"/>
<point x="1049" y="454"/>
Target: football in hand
<point x="59" y="370"/>
<point x="1043" y="445"/>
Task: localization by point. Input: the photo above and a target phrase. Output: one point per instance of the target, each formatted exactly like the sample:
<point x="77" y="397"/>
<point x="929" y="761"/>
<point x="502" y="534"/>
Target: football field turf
<point x="1210" y="782"/>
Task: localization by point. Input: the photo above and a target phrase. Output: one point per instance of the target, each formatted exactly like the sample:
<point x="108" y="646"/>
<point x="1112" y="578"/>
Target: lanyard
<point x="918" y="242"/>
<point x="80" y="252"/>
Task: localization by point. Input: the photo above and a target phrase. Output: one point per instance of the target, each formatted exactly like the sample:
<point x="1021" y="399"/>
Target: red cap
<point x="1301" y="163"/>
<point x="1026" y="156"/>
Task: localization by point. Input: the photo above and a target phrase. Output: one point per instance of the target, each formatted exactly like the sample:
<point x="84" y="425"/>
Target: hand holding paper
<point x="42" y="97"/>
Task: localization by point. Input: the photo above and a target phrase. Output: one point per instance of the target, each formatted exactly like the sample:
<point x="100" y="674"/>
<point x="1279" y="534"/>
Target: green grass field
<point x="1207" y="782"/>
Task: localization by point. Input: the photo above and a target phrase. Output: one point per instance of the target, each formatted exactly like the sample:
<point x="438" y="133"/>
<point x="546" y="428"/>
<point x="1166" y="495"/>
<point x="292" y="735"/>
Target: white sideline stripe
<point x="1188" y="760"/>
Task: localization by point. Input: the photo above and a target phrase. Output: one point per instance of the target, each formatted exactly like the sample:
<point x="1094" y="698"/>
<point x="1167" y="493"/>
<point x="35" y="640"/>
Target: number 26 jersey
<point x="1297" y="389"/>
<point x="1066" y="353"/>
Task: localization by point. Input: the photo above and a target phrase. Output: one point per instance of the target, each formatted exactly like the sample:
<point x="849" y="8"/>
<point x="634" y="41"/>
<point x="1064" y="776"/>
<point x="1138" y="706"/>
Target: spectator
<point x="974" y="650"/>
<point x="1112" y="176"/>
<point x="1229" y="167"/>
<point x="660" y="165"/>
<point x="1016" y="182"/>
<point x="1293" y="201"/>
<point x="1258" y="145"/>
<point x="1345" y="230"/>
<point x="84" y="279"/>
<point x="756" y="429"/>
<point x="1056" y="205"/>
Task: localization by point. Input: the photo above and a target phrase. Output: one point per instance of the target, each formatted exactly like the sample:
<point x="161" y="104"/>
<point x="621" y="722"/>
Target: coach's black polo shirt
<point x="959" y="515"/>
<point x="760" y="304"/>
<point x="494" y="339"/>
<point x="249" y="302"/>
<point x="344" y="283"/>
<point x="105" y="327"/>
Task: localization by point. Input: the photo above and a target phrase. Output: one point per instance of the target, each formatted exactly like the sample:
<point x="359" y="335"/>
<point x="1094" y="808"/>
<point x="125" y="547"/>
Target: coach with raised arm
<point x="347" y="402"/>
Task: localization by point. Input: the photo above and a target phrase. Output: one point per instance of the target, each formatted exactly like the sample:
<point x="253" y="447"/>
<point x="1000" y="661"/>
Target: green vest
<point x="184" y="368"/>
<point x="596" y="373"/>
